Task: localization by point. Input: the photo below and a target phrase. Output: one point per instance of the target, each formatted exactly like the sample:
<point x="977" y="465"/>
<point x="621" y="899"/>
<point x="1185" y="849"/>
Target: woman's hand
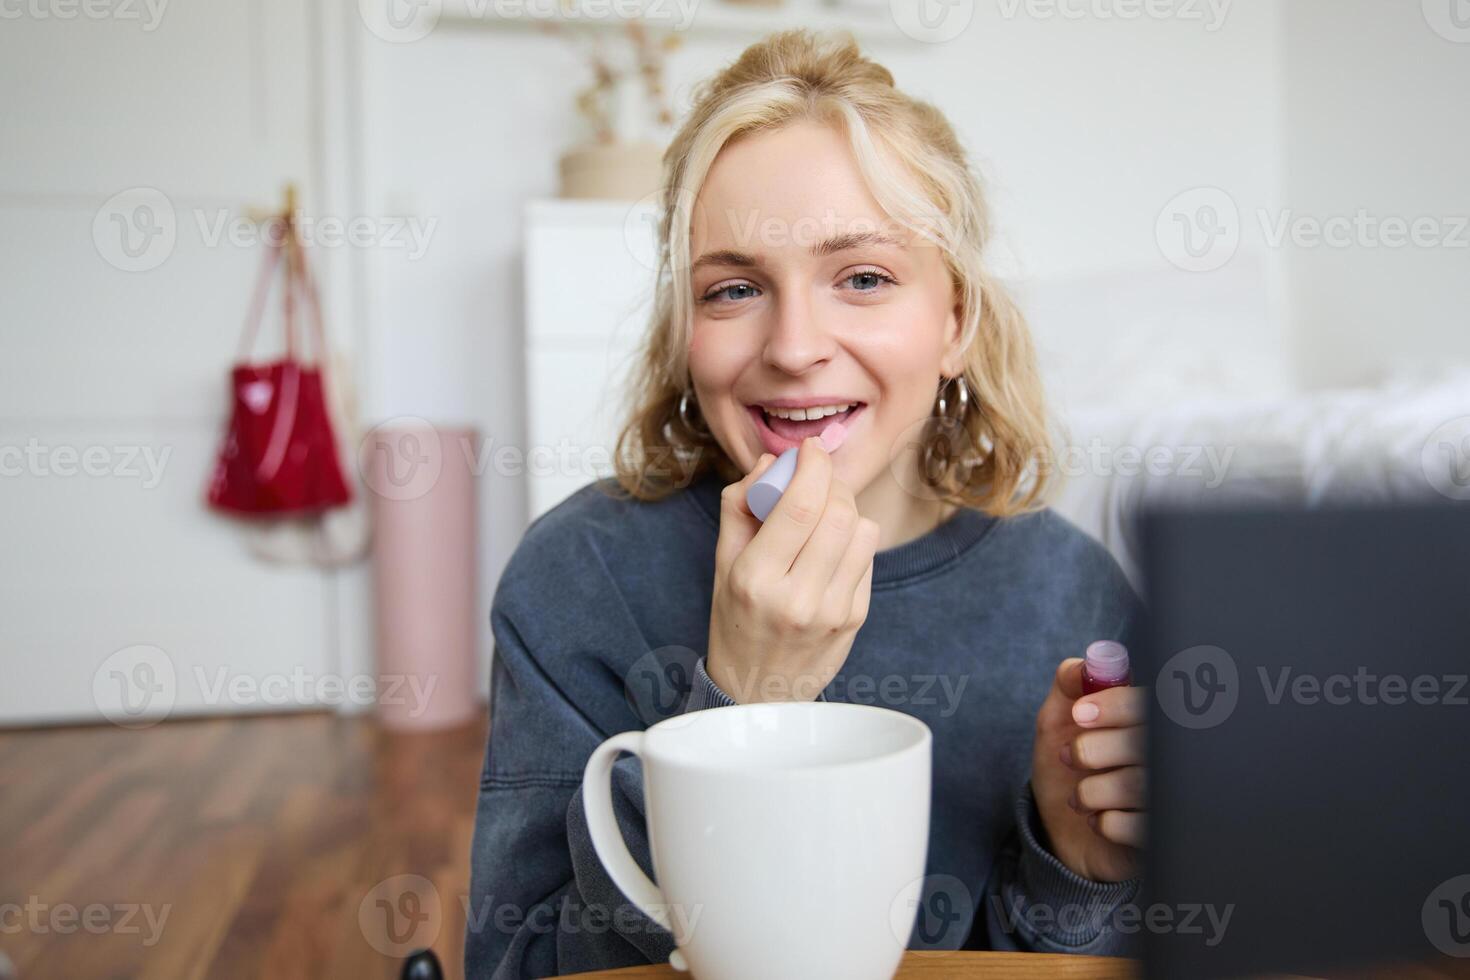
<point x="1087" y="775"/>
<point x="789" y="594"/>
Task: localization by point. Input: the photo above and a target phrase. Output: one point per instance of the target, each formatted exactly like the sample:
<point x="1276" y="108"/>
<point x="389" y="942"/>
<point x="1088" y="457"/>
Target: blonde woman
<point x="822" y="256"/>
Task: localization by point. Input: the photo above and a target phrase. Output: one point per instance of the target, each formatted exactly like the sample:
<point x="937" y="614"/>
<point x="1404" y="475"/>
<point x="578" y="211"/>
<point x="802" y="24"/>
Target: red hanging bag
<point x="279" y="456"/>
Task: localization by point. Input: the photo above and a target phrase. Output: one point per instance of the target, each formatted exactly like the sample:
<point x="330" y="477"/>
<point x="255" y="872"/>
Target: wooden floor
<point x="258" y="847"/>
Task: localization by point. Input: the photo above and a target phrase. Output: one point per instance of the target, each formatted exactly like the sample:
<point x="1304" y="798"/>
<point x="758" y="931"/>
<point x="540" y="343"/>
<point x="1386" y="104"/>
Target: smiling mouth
<point x="779" y="431"/>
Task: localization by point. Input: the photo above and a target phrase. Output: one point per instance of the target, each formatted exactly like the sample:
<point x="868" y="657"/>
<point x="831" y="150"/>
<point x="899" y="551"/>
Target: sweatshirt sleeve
<point x="540" y="902"/>
<point x="705" y="693"/>
<point x="1036" y="903"/>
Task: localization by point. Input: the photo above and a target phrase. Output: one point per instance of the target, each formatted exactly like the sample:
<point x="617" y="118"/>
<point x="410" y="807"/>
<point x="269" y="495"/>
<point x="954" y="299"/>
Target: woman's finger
<point x="1118" y="789"/>
<point x="1121" y="826"/>
<point x="791" y="522"/>
<point x="817" y="562"/>
<point x="1106" y="748"/>
<point x="1117" y="707"/>
<point x="737" y="524"/>
<point x="855" y="569"/>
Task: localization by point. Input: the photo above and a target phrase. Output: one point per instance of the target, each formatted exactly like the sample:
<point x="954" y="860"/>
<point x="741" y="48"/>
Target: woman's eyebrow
<point x="830" y="246"/>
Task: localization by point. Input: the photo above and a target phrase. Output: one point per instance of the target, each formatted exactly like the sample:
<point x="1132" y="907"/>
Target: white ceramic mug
<point x="788" y="839"/>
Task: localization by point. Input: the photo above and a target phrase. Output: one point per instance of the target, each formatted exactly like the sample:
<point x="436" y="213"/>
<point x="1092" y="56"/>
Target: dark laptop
<point x="1309" y="744"/>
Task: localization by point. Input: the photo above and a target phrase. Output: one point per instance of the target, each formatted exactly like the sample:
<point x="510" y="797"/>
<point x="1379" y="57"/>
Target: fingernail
<point x="1067" y="756"/>
<point x="1085" y="711"/>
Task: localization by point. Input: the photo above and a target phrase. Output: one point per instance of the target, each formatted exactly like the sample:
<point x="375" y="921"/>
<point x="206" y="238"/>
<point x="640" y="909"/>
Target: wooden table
<point x="963" y="965"/>
<point x="950" y="965"/>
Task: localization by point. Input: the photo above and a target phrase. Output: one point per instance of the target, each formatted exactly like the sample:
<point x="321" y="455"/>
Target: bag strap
<point x="307" y="284"/>
<point x="297" y="277"/>
<point x="257" y="303"/>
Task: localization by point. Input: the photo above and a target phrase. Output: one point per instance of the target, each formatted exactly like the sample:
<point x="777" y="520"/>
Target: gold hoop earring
<point x="683" y="411"/>
<point x="962" y="398"/>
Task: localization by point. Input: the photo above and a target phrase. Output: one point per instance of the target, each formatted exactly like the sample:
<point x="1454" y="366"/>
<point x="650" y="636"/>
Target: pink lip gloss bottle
<point x="1105" y="665"/>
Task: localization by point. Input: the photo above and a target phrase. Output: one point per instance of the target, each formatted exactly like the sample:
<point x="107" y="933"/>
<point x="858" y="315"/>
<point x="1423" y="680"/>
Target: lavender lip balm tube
<point x="765" y="492"/>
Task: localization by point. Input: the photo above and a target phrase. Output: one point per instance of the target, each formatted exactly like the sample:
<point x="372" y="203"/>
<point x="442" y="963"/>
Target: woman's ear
<point x="953" y="362"/>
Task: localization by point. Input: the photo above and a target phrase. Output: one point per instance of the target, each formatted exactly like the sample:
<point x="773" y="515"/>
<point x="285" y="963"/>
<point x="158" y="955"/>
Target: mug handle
<point x="607" y="837"/>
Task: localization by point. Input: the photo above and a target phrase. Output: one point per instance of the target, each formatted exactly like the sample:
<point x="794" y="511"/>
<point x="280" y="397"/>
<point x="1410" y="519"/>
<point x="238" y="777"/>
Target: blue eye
<point x="873" y="277"/>
<point x="724" y="292"/>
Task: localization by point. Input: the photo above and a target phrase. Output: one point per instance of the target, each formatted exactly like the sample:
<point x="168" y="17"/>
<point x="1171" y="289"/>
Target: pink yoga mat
<point x="424" y="573"/>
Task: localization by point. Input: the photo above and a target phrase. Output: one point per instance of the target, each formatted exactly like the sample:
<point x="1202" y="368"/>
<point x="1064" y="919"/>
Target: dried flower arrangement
<point x="598" y="102"/>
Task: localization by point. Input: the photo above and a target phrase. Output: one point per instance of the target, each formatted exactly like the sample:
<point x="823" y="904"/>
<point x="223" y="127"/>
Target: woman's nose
<point x="797" y="341"/>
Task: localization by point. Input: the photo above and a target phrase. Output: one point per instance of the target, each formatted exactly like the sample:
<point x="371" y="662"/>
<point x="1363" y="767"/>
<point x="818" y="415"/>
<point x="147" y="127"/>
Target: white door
<point x="122" y="304"/>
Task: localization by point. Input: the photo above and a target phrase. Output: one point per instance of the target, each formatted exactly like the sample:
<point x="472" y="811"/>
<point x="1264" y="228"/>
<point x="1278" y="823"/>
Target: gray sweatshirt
<point x="600" y="624"/>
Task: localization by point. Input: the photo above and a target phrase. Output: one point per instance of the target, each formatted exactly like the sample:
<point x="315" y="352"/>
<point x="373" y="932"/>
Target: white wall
<point x="106" y="362"/>
<point x="1376" y="102"/>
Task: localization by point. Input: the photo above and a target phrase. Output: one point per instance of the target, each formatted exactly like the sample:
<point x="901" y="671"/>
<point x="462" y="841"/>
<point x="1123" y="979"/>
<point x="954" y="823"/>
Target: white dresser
<point x="589" y="294"/>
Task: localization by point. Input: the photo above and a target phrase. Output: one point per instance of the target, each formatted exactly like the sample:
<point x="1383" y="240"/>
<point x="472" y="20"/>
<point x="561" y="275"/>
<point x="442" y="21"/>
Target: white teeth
<point x="803" y="414"/>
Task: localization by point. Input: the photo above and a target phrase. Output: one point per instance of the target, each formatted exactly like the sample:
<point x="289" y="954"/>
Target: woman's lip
<point x="807" y="402"/>
<point x="778" y="444"/>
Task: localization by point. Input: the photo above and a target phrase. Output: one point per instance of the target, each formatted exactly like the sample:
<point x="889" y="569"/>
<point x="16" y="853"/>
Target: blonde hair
<point x="991" y="458"/>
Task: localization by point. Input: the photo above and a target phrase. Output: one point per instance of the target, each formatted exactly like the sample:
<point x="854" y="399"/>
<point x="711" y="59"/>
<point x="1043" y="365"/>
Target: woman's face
<point x="808" y="299"/>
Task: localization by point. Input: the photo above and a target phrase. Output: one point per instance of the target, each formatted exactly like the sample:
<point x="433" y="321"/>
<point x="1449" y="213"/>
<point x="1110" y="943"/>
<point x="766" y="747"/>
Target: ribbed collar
<point x="893" y="566"/>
